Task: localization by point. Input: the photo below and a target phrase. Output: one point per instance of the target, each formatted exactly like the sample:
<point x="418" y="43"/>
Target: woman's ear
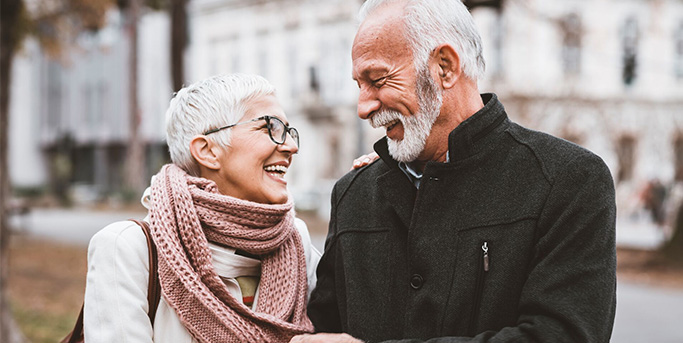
<point x="448" y="62"/>
<point x="205" y="152"/>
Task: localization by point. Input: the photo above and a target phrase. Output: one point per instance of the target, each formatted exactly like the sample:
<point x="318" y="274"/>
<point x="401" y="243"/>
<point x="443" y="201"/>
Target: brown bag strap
<point x="153" y="287"/>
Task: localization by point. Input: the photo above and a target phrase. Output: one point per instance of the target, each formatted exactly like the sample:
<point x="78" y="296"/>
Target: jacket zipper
<point x="484" y="266"/>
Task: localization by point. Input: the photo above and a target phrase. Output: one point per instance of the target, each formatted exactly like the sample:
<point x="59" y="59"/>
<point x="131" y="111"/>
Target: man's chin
<point x="399" y="151"/>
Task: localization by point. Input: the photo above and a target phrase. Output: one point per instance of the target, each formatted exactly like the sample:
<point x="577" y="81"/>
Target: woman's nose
<point x="290" y="145"/>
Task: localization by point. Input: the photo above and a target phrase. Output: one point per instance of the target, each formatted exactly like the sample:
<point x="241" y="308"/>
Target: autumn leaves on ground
<point x="47" y="282"/>
<point x="46" y="286"/>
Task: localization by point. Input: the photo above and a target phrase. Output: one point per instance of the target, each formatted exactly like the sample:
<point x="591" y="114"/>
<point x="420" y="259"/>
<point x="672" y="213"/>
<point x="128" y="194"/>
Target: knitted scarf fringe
<point x="186" y="213"/>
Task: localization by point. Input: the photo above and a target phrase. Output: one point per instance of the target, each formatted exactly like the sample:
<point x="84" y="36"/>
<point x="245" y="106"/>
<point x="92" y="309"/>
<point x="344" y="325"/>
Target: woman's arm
<point x="116" y="287"/>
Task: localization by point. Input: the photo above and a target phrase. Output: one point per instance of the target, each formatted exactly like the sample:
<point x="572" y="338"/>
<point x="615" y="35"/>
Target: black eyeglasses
<point x="277" y="130"/>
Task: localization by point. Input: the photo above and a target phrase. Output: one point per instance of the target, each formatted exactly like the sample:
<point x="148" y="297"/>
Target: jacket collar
<point x="466" y="139"/>
<point x="463" y="140"/>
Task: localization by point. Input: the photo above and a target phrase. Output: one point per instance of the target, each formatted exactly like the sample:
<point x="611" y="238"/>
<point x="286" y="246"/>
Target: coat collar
<point x="464" y="141"/>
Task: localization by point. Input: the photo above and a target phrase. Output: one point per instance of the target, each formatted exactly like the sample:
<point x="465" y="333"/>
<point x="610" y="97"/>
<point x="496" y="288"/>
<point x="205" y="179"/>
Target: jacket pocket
<point x="489" y="271"/>
<point x="482" y="272"/>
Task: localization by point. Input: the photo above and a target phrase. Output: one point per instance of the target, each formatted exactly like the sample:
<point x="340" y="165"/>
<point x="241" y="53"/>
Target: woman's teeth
<point x="276" y="170"/>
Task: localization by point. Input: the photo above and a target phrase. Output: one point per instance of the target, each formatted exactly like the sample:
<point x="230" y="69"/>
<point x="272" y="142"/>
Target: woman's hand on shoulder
<point x="364" y="160"/>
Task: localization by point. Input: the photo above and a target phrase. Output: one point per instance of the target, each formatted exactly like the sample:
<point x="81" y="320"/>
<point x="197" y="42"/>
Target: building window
<point x="629" y="39"/>
<point x="497" y="37"/>
<point x="313" y="82"/>
<point x="678" y="50"/>
<point x="293" y="66"/>
<point x="626" y="152"/>
<point x="55" y="94"/>
<point x="571" y="43"/>
<point x="262" y="58"/>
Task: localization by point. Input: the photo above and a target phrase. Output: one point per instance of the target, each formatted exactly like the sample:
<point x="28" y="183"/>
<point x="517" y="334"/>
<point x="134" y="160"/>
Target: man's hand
<point x="364" y="160"/>
<point x="324" y="338"/>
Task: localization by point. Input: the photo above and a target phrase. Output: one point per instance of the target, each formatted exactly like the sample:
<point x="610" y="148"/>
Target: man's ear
<point x="448" y="63"/>
<point x="205" y="152"/>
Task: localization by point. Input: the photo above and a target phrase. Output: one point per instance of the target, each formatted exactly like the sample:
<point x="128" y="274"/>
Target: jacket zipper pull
<point x="485" y="248"/>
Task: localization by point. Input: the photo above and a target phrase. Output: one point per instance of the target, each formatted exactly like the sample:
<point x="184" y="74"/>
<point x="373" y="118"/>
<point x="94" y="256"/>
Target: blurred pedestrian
<point x="653" y="197"/>
<point x="235" y="265"/>
<point x="469" y="228"/>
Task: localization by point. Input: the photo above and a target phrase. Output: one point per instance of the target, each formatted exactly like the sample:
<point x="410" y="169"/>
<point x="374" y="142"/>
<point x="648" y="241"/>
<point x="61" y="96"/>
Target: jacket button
<point x="416" y="281"/>
<point x="433" y="178"/>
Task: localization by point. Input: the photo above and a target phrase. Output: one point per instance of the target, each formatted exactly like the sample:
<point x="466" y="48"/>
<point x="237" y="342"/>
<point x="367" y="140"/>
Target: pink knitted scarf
<point x="186" y="213"/>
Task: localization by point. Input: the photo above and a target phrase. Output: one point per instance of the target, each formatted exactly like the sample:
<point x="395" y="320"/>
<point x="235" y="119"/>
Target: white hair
<point x="429" y="23"/>
<point x="209" y="104"/>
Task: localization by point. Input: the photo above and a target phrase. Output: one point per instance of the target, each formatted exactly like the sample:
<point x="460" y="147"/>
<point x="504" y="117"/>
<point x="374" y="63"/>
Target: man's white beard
<point x="416" y="128"/>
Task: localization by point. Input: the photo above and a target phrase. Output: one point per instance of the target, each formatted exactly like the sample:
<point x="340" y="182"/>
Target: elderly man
<point x="469" y="228"/>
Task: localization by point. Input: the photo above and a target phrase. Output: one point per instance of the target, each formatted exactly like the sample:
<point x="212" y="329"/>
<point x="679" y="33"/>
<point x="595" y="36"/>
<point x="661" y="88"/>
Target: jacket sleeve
<point x="570" y="292"/>
<point x="323" y="309"/>
<point x="116" y="288"/>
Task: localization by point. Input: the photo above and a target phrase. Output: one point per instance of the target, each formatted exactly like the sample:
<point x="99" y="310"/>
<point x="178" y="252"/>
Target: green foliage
<point x="42" y="326"/>
<point x="29" y="192"/>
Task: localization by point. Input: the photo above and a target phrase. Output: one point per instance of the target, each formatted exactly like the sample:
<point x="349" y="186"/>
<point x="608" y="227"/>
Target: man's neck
<point x="420" y="164"/>
<point x="453" y="113"/>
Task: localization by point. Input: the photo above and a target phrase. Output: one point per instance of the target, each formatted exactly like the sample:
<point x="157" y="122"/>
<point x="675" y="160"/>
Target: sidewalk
<point x="638" y="233"/>
<point x="71" y="225"/>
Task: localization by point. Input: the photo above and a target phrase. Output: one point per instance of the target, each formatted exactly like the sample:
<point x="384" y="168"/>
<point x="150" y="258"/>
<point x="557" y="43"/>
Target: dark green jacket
<point x="407" y="264"/>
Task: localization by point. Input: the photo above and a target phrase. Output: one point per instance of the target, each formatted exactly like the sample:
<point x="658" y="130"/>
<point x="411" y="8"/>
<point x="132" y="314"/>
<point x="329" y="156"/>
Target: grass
<point x="46" y="285"/>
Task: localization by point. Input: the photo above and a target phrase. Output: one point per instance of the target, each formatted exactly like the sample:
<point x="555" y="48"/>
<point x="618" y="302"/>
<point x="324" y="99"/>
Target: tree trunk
<point x="673" y="249"/>
<point x="135" y="166"/>
<point x="10" y="11"/>
<point x="178" y="42"/>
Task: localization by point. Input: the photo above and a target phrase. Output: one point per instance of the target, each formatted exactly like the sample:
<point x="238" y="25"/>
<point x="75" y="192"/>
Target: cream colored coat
<point x="116" y="288"/>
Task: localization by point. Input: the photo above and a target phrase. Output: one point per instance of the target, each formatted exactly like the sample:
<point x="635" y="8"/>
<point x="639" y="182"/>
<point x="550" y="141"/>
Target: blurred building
<point x="605" y="74"/>
<point x="70" y="115"/>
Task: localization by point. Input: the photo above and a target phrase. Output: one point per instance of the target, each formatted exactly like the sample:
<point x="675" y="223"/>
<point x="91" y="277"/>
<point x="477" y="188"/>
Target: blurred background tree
<point x="11" y="33"/>
<point x="56" y="24"/>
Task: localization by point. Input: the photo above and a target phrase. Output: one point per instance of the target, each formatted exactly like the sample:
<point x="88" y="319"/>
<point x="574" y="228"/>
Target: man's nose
<point x="367" y="104"/>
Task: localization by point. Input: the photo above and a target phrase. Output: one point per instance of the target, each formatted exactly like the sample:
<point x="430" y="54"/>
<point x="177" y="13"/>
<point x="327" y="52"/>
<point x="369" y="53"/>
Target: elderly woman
<point x="234" y="263"/>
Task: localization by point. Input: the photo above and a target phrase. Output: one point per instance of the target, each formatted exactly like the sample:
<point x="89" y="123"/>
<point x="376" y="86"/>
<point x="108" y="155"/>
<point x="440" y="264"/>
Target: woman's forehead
<point x="264" y="105"/>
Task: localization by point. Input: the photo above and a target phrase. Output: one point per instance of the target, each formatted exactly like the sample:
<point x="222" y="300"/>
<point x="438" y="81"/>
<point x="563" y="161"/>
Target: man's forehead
<point x="384" y="17"/>
<point x="378" y="32"/>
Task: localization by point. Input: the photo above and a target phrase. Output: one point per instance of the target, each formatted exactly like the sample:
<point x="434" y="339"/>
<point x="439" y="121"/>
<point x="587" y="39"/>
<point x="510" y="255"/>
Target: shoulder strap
<point x="154" y="287"/>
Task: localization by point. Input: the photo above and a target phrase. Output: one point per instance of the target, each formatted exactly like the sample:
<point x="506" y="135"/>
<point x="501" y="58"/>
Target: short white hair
<point x="209" y="104"/>
<point x="429" y="23"/>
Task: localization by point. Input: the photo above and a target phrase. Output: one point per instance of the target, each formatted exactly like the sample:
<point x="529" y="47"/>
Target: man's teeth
<point x="276" y="169"/>
<point x="391" y="125"/>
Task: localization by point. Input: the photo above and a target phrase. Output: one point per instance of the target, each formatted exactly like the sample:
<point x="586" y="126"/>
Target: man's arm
<point x="323" y="309"/>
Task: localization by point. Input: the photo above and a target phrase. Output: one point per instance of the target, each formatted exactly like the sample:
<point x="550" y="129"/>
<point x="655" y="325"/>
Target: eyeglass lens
<point x="278" y="133"/>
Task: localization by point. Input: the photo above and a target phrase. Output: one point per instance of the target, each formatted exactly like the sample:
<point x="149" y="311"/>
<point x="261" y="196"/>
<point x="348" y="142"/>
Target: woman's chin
<point x="276" y="197"/>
